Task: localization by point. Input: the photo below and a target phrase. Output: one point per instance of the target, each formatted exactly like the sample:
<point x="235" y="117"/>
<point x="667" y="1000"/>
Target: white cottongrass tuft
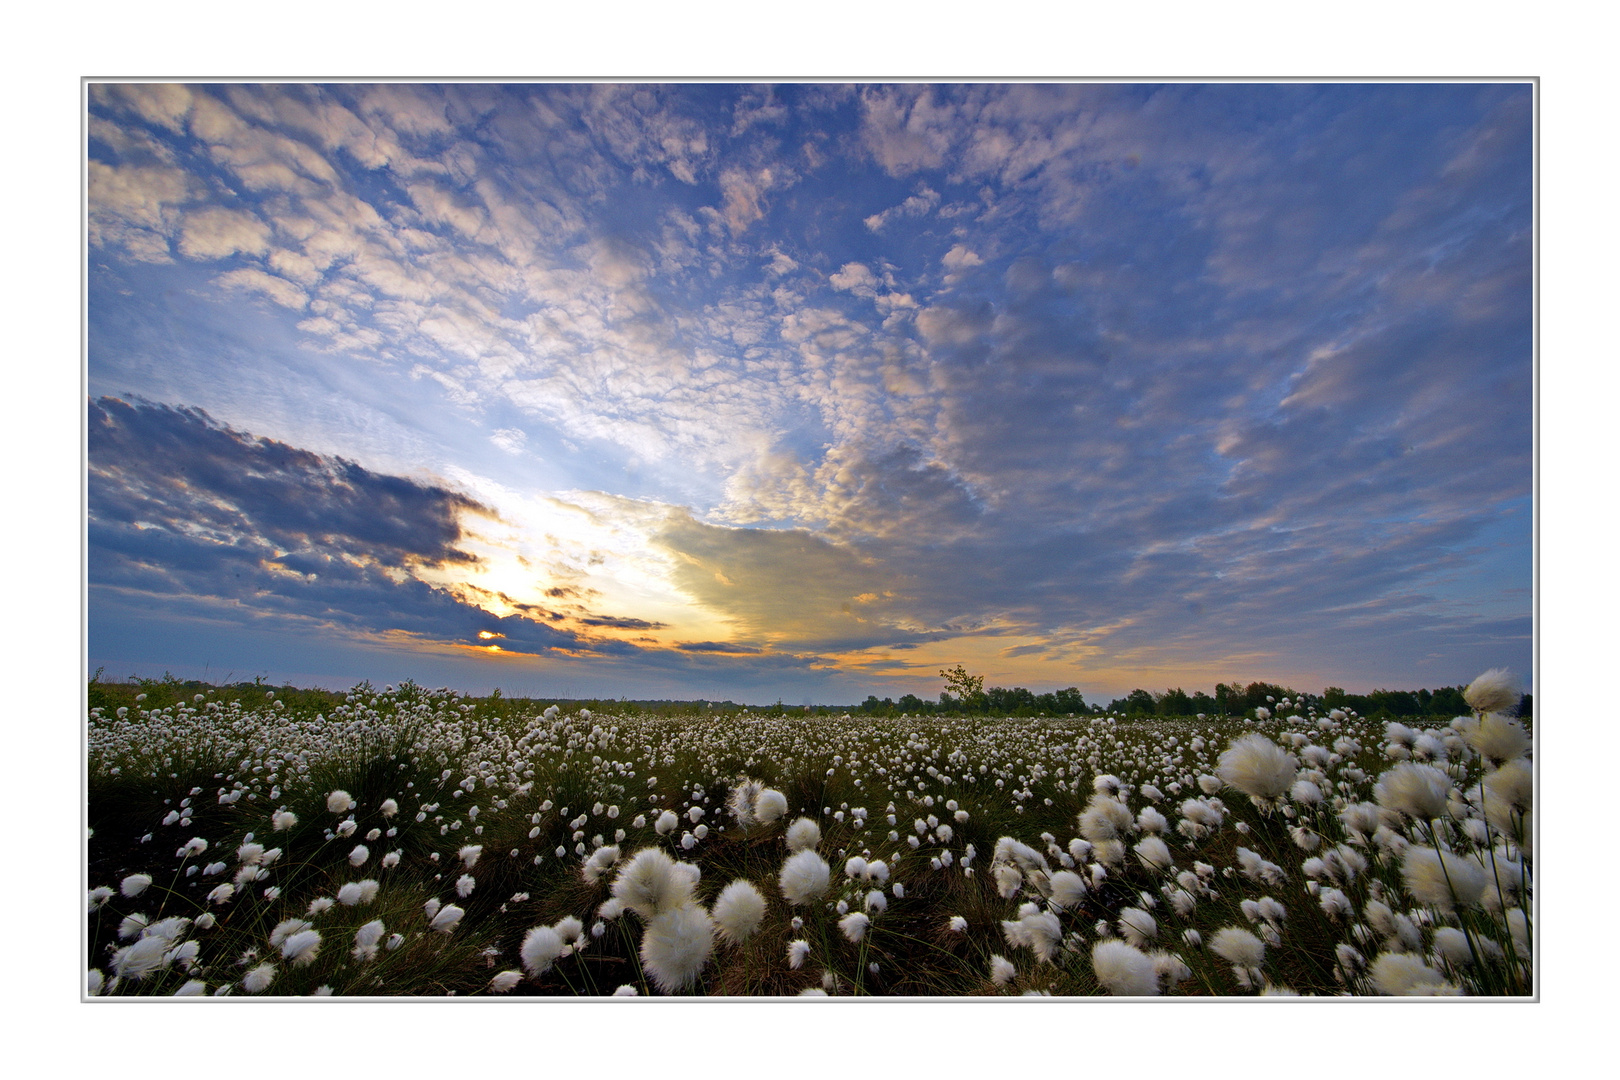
<point x="1170" y="968"/>
<point x="770" y="805"/>
<point x="283" y="820"/>
<point x="1498" y="738"/>
<point x="650" y="883"/>
<point x="1257" y="767"/>
<point x="135" y="884"/>
<point x="505" y="981"/>
<point x="805" y="877"/>
<point x="569" y="928"/>
<point x="803" y="835"/>
<point x="1441" y="879"/>
<point x="366" y="939"/>
<point x="738" y="911"/>
<point x="1105" y="818"/>
<point x="1002" y="971"/>
<point x="741" y="802"/>
<point x="464" y="886"/>
<point x="359" y="855"/>
<point x="667" y="823"/>
<point x="541" y="948"/>
<point x="1494" y="691"/>
<point x="469" y="855"/>
<point x="340" y="802"/>
<point x="301" y="948"/>
<point x="447" y="919"/>
<point x="957" y="925"/>
<point x="1124" y="970"/>
<point x="1245" y="952"/>
<point x="676" y="945"/>
<point x="1137" y="927"/>
<point x="1399" y="974"/>
<point x="1414" y="790"/>
<point x="258" y="979"/>
<point x="285" y="929"/>
<point x="1508" y="794"/>
<point x="601" y="861"/>
<point x="1452" y="945"/>
<point x="854" y="925"/>
<point x="1154" y="853"/>
<point x="358" y="892"/>
<point x="797" y="951"/>
<point x="140" y="959"/>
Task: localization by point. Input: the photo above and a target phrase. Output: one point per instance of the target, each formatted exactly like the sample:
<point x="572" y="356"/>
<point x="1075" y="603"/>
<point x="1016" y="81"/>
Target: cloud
<point x="743" y="195"/>
<point x="916" y="205"/>
<point x="189" y="512"/>
<point x="781" y="586"/>
<point x="511" y="440"/>
<point x="215" y="233"/>
<point x="1109" y="373"/>
<point x="960" y="258"/>
<point x="136" y="207"/>
<point x="854" y="277"/>
<point x="904" y="129"/>
<point x="278" y="289"/>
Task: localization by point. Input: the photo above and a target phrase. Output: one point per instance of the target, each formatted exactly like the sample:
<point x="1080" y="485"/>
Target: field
<point x="419" y="843"/>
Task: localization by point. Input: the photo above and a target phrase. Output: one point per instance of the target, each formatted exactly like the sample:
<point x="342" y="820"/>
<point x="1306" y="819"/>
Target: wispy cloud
<point x="1170" y="377"/>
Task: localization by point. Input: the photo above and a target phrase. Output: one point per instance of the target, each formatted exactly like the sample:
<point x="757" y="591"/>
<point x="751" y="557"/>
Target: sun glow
<point x="584" y="561"/>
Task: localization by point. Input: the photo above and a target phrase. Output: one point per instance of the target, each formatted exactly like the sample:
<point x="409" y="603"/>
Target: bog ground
<point x="415" y="842"/>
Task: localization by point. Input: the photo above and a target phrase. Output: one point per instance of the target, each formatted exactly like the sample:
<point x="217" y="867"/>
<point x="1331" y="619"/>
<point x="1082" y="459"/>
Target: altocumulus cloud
<point x="1236" y="377"/>
<point x="189" y="513"/>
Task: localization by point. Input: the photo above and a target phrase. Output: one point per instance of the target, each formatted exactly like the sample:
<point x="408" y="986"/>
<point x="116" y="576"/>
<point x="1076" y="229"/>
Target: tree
<point x="970" y="688"/>
<point x="1174" y="702"/>
<point x="1139" y="703"/>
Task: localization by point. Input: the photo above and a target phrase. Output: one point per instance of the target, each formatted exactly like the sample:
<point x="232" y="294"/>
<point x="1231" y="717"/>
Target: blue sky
<point x="807" y="391"/>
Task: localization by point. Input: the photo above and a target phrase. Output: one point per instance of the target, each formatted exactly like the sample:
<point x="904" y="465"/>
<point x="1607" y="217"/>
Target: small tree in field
<point x="968" y="688"/>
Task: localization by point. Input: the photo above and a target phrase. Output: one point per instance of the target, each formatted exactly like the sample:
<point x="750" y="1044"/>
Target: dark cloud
<point x="620" y="622"/>
<point x="786" y="585"/>
<point x="715" y="647"/>
<point x="181" y="507"/>
<point x="176" y="469"/>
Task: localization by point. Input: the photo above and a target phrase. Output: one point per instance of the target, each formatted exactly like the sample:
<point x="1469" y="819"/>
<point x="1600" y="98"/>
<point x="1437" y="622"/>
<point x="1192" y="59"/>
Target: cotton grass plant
<point x="415" y="842"/>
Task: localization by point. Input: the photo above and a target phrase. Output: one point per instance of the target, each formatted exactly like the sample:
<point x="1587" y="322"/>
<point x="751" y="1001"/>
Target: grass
<point x="218" y="768"/>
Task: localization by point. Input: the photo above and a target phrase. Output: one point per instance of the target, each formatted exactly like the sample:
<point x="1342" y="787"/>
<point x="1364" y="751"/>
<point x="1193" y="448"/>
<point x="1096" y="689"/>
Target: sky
<point x="804" y="392"/>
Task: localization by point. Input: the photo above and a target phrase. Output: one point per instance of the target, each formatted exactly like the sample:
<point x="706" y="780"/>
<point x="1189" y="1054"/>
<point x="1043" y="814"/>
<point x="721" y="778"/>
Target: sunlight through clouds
<point x="1065" y="380"/>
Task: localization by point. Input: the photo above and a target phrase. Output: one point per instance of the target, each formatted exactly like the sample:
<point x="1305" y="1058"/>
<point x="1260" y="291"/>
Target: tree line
<point x="966" y="694"/>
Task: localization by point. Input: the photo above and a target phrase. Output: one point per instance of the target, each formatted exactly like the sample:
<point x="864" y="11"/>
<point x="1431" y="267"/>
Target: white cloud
<point x="742" y="196"/>
<point x="960" y="258"/>
<point x="136" y="207"/>
<point x="904" y="129"/>
<point x="277" y="289"/>
<point x="856" y="278"/>
<point x="513" y="441"/>
<point x="216" y="232"/>
<point x="917" y="205"/>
